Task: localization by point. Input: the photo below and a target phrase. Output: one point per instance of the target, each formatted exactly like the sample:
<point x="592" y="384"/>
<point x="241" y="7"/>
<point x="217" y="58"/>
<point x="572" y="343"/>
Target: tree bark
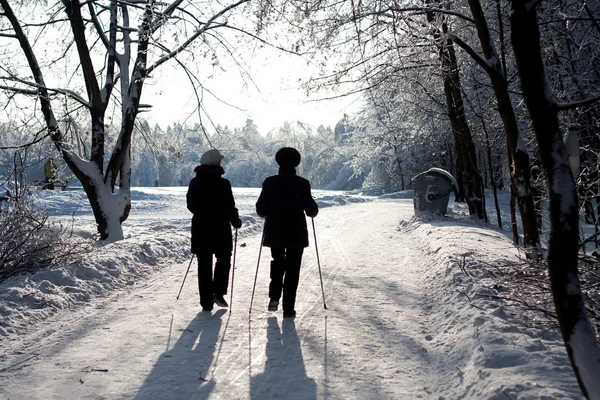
<point x="577" y="331"/>
<point x="462" y="134"/>
<point x="492" y="177"/>
<point x="520" y="168"/>
<point x="472" y="182"/>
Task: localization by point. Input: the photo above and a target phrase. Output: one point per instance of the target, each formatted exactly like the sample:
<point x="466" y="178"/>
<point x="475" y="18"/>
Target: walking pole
<point x="319" y="262"/>
<point x="256" y="275"/>
<point x="233" y="270"/>
<point x="186" y="274"/>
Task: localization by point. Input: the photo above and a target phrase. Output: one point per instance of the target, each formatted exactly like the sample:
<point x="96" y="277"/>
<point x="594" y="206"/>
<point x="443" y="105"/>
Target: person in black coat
<point x="283" y="201"/>
<point x="210" y="199"/>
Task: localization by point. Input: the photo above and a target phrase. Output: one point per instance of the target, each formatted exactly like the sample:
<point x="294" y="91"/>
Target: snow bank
<point x="26" y="300"/>
<point x="404" y="194"/>
<point x="339" y="199"/>
<point x="494" y="355"/>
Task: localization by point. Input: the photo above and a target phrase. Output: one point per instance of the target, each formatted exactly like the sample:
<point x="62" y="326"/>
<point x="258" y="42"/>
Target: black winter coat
<point x="283" y="201"/>
<point x="210" y="199"/>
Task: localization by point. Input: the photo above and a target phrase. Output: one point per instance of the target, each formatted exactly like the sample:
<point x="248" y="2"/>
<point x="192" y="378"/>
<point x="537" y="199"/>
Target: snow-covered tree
<point x="118" y="46"/>
<point x="378" y="42"/>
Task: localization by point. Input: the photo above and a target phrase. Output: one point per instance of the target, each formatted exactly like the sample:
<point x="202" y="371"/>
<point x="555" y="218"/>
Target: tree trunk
<point x="102" y="199"/>
<point x="520" y="173"/>
<point x="597" y="198"/>
<point x="460" y="193"/>
<point x="577" y="331"/>
<point x="461" y="131"/>
<point x="513" y="211"/>
<point x="399" y="161"/>
<point x="403" y="185"/>
<point x="456" y="112"/>
<point x="492" y="177"/>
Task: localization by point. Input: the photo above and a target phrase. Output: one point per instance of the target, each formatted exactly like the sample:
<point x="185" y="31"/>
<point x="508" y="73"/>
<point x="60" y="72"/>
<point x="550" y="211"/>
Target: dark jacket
<point x="283" y="201"/>
<point x="210" y="199"/>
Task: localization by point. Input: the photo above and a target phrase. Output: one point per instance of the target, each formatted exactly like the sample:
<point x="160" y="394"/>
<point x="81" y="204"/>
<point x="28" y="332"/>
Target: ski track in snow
<point x="399" y="325"/>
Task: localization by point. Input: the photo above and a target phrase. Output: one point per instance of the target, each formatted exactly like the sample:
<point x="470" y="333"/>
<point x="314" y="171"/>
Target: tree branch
<point x="208" y="25"/>
<point x="67" y="92"/>
<point x="482" y="62"/>
<point x="432" y="10"/>
<point x="96" y="23"/>
<point x="87" y="66"/>
<point x="46" y="106"/>
<point x="13" y="89"/>
<point x="112" y="56"/>
<point x="28" y="144"/>
<point x="575" y="104"/>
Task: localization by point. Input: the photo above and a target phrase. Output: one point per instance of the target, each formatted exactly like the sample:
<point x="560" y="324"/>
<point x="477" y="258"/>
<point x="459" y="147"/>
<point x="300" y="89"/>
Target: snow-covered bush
<point x="30" y="242"/>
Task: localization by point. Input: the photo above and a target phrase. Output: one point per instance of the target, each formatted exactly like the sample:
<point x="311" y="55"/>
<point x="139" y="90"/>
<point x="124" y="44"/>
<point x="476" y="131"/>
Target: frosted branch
<point x="575" y="104"/>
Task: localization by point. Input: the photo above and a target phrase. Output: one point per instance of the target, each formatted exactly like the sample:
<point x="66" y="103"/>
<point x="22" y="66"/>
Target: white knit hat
<point x="211" y="157"/>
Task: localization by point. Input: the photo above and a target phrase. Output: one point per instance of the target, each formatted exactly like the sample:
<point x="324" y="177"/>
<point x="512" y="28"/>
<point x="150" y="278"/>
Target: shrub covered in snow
<point x="30" y="242"/>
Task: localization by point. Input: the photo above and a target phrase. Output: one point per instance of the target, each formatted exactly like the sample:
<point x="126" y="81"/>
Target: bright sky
<point x="273" y="98"/>
<point x="276" y="97"/>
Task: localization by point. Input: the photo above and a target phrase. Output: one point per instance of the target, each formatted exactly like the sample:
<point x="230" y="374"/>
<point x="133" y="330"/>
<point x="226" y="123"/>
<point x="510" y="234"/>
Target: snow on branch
<point x="20" y="90"/>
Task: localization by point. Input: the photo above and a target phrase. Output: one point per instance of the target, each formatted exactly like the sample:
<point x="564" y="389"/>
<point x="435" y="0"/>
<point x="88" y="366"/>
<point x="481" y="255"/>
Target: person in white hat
<point x="210" y="199"/>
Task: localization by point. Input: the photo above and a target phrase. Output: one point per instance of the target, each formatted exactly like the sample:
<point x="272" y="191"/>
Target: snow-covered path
<point x="144" y="344"/>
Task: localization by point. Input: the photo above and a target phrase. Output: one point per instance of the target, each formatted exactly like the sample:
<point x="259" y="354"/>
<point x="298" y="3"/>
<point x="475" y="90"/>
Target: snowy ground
<point x="404" y="318"/>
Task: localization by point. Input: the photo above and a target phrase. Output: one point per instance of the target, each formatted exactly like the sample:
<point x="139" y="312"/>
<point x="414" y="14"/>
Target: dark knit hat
<point x="287" y="157"/>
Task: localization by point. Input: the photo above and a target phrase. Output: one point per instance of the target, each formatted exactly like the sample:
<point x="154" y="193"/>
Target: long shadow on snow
<point x="284" y="375"/>
<point x="181" y="372"/>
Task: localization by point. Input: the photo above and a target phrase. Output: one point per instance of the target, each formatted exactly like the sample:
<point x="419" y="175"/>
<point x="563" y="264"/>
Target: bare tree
<point x="130" y="55"/>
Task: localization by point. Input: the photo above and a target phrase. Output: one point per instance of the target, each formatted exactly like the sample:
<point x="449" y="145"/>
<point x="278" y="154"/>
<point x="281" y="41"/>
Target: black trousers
<point x="209" y="285"/>
<point x="49" y="184"/>
<point x="285" y="273"/>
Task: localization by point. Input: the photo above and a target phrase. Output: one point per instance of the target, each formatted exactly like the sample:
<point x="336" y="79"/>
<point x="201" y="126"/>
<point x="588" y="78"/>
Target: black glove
<point x="237" y="224"/>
